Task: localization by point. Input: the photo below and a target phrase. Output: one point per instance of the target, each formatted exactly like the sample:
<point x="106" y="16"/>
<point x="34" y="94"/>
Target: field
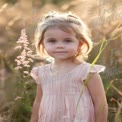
<point x="18" y="20"/>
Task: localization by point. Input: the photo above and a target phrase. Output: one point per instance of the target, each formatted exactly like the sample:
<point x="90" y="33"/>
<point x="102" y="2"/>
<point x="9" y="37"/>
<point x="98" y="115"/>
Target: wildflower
<point x="24" y="59"/>
<point x="26" y="72"/>
<point x="30" y="59"/>
<point x="26" y="65"/>
<point x="18" y="67"/>
<point x="18" y="62"/>
<point x="18" y="47"/>
<point x="17" y="98"/>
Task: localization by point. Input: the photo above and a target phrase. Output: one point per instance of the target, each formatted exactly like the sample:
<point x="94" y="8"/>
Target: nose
<point x="60" y="45"/>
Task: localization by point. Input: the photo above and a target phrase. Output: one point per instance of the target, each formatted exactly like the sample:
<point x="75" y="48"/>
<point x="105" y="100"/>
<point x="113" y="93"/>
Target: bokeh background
<point x="18" y="18"/>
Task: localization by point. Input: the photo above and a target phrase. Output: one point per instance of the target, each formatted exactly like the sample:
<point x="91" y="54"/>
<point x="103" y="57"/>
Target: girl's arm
<point x="36" y="104"/>
<point x="97" y="93"/>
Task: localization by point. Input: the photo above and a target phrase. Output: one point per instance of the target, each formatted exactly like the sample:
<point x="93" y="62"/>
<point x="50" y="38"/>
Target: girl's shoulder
<point x="94" y="67"/>
<point x="91" y="68"/>
<point x="38" y="71"/>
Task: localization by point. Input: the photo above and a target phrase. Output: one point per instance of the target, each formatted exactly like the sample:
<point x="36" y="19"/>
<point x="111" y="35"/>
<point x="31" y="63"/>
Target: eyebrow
<point x="56" y="39"/>
<point x="68" y="38"/>
<point x="49" y="38"/>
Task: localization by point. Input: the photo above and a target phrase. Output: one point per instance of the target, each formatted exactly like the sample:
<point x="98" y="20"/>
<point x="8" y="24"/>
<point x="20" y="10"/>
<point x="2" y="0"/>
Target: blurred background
<point x="18" y="20"/>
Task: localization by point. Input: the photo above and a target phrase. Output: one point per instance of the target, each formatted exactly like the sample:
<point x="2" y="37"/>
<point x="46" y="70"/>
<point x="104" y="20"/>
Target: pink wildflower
<point x="30" y="59"/>
<point x="24" y="59"/>
<point x="18" y="47"/>
<point x="18" y="67"/>
<point x="26" y="72"/>
<point x="17" y="98"/>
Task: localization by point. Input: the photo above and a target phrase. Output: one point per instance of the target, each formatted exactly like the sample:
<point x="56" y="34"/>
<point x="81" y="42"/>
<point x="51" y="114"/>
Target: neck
<point x="66" y="62"/>
<point x="59" y="66"/>
<point x="62" y="62"/>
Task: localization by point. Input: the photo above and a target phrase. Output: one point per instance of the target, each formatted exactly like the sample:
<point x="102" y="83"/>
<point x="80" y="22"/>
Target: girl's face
<point x="59" y="44"/>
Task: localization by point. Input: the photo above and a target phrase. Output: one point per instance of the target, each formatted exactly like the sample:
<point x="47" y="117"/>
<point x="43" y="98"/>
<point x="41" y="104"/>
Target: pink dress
<point x="61" y="93"/>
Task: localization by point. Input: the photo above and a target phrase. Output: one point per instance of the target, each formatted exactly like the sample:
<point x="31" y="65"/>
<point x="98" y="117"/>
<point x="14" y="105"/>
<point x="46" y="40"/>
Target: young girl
<point x="64" y="37"/>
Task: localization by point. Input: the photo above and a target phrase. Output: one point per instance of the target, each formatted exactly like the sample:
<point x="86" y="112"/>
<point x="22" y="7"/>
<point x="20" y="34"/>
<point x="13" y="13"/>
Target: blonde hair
<point x="67" y="22"/>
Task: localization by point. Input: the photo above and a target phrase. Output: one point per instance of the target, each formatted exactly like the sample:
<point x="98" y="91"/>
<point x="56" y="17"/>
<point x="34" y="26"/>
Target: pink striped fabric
<point x="61" y="93"/>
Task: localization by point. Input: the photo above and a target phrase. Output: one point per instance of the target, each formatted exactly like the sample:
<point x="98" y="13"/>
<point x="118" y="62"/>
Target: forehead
<point x="57" y="32"/>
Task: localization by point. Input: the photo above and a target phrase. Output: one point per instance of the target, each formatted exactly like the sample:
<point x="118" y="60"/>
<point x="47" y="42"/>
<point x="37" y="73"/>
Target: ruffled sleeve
<point x="97" y="69"/>
<point x="92" y="69"/>
<point x="35" y="74"/>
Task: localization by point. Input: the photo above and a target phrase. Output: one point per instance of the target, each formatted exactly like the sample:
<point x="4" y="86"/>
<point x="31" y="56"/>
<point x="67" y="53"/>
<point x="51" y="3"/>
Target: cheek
<point x="73" y="48"/>
<point x="48" y="48"/>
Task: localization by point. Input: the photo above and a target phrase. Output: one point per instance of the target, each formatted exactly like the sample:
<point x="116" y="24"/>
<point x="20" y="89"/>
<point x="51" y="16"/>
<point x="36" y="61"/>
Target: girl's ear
<point x="80" y="47"/>
<point x="83" y="46"/>
<point x="42" y="43"/>
<point x="80" y="44"/>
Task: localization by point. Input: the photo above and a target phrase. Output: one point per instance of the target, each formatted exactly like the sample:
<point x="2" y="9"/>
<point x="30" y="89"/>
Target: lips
<point x="60" y="52"/>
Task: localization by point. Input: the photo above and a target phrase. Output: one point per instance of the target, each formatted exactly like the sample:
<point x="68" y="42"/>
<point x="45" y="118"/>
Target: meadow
<point x="18" y="20"/>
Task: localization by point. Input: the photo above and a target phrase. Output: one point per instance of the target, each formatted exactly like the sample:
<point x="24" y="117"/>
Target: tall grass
<point x="118" y="113"/>
<point x="19" y="109"/>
